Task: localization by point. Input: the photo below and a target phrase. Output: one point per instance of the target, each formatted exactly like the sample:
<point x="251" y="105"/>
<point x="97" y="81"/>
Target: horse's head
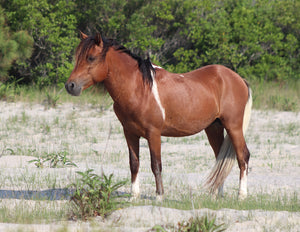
<point x="90" y="66"/>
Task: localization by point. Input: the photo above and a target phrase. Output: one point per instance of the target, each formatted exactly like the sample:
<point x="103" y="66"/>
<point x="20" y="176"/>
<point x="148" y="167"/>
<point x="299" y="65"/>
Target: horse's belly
<point x="185" y="126"/>
<point x="179" y="131"/>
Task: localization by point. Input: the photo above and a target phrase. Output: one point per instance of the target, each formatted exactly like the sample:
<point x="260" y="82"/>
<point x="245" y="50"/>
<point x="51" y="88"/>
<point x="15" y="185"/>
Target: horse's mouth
<point x="73" y="88"/>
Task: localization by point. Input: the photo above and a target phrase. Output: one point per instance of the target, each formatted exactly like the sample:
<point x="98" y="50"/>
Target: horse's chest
<point x="130" y="120"/>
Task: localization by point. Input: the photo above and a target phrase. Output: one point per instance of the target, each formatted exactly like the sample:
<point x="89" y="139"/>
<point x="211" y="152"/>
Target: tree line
<point x="259" y="39"/>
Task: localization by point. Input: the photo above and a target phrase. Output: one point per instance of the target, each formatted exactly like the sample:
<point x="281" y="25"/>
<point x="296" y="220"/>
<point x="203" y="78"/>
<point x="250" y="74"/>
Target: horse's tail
<point x="227" y="155"/>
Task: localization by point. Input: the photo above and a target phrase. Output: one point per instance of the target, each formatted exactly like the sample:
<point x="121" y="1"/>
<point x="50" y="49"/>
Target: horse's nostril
<point x="72" y="85"/>
<point x="72" y="88"/>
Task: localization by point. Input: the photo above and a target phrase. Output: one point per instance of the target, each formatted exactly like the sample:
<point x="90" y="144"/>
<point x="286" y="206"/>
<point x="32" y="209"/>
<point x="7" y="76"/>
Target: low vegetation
<point x="55" y="160"/>
<point x="283" y="96"/>
<point x="274" y="202"/>
<point x="194" y="224"/>
<point x="93" y="195"/>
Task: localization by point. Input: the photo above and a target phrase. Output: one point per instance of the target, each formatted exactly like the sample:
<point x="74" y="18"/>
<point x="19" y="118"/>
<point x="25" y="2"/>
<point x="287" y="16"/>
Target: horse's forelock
<point x="83" y="48"/>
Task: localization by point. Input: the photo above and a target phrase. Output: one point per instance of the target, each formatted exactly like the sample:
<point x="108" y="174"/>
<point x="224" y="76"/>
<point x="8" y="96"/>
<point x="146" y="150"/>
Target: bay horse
<point x="151" y="102"/>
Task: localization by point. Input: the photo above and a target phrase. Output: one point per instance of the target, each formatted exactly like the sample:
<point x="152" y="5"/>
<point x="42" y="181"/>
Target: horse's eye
<point x="91" y="58"/>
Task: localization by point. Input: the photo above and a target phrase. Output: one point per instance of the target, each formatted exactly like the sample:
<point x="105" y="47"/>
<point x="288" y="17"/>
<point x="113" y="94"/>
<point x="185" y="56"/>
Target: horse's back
<point x="222" y="79"/>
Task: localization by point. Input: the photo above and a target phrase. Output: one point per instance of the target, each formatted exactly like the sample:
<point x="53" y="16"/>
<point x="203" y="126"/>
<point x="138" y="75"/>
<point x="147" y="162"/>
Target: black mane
<point x="145" y="65"/>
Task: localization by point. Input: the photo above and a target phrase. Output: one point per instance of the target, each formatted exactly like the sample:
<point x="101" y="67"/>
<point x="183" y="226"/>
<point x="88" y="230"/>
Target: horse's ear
<point x="83" y="36"/>
<point x="98" y="39"/>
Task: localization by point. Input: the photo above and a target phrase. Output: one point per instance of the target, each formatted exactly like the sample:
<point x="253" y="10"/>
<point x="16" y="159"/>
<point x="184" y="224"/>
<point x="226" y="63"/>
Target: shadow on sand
<point x="49" y="194"/>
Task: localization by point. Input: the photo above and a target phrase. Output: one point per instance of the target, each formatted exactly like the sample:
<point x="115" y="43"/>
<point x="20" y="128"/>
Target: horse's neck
<point x="124" y="81"/>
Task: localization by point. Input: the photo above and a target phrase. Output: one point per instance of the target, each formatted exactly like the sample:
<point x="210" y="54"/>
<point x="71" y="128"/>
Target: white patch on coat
<point x="156" y="66"/>
<point x="156" y="96"/>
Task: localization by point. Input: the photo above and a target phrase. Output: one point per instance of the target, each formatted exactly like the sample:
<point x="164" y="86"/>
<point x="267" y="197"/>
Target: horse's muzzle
<point x="73" y="89"/>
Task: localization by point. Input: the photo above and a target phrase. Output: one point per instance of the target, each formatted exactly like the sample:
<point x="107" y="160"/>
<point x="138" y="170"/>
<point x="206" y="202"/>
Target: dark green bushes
<point x="258" y="39"/>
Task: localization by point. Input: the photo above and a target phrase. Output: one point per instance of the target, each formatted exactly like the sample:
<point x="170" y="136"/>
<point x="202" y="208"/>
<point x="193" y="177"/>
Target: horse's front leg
<point x="133" y="143"/>
<point x="154" y="141"/>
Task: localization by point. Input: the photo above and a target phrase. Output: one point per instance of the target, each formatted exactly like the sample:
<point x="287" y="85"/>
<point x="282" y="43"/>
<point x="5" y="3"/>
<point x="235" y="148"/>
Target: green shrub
<point x="257" y="39"/>
<point x="93" y="194"/>
<point x="14" y="46"/>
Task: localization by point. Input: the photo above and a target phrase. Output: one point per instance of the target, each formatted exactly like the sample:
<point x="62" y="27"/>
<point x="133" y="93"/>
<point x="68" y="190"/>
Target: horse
<point x="151" y="102"/>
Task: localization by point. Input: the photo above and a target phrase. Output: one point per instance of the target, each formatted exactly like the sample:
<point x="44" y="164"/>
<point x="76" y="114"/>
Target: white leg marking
<point x="135" y="188"/>
<point x="157" y="98"/>
<point x="159" y="198"/>
<point x="243" y="186"/>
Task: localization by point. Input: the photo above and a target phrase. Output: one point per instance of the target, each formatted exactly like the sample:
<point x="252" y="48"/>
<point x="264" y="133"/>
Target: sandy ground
<point x="94" y="139"/>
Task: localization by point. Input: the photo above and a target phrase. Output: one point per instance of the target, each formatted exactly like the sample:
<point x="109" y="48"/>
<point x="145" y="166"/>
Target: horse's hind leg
<point x="243" y="156"/>
<point x="215" y="135"/>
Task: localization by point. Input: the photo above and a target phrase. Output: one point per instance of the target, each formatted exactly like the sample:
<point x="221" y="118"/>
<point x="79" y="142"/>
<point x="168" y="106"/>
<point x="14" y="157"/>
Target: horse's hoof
<point x="242" y="196"/>
<point x="159" y="198"/>
<point x="134" y="198"/>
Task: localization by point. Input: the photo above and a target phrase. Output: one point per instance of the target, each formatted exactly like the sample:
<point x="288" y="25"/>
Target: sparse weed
<point x="9" y="90"/>
<point x="59" y="160"/>
<point x="52" y="98"/>
<point x="194" y="224"/>
<point x="38" y="162"/>
<point x="56" y="160"/>
<point x="5" y="150"/>
<point x="203" y="224"/>
<point x="93" y="194"/>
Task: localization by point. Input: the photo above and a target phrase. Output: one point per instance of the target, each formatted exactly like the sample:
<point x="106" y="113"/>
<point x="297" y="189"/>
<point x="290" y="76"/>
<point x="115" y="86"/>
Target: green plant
<point x="93" y="194"/>
<point x="52" y="98"/>
<point x="158" y="228"/>
<point x="15" y="46"/>
<point x="38" y="162"/>
<point x="5" y="91"/>
<point x="55" y="159"/>
<point x="282" y="103"/>
<point x="197" y="224"/>
<point x="201" y="224"/>
<point x="59" y="159"/>
<point x="4" y="150"/>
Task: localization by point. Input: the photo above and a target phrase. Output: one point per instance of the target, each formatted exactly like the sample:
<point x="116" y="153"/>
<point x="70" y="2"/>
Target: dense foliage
<point x="258" y="39"/>
<point x="14" y="46"/>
